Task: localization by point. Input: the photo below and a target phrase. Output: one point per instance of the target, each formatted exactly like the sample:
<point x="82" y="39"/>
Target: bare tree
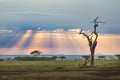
<point x="92" y="39"/>
<point x="86" y="57"/>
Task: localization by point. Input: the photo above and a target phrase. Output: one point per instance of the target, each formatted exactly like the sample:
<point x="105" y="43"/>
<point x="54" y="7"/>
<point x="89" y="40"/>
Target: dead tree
<point x="92" y="39"/>
<point x="86" y="57"/>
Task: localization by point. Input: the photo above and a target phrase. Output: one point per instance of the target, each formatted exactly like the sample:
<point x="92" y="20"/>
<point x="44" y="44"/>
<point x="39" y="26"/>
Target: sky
<point x="55" y="42"/>
<point x="44" y="21"/>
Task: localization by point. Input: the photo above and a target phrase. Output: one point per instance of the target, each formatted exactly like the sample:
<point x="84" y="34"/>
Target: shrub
<point x="1" y="59"/>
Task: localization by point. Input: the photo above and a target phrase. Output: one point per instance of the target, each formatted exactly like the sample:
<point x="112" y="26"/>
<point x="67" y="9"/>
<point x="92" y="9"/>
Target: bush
<point x="1" y="59"/>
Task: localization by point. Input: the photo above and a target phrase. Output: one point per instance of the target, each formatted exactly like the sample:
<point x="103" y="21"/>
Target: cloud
<point x="60" y="12"/>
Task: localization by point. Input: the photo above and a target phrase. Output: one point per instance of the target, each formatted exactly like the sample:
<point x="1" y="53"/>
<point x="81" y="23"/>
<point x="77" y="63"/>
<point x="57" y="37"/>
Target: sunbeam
<point x="50" y="42"/>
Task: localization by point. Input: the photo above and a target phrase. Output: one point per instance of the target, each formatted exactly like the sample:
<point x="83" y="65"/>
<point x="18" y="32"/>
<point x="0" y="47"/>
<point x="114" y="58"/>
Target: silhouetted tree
<point x="62" y="57"/>
<point x="35" y="53"/>
<point x="92" y="39"/>
<point x="118" y="56"/>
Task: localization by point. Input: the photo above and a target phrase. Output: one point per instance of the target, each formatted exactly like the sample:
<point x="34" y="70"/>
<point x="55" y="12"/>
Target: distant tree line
<point x="118" y="56"/>
<point x="34" y="58"/>
<point x="29" y="58"/>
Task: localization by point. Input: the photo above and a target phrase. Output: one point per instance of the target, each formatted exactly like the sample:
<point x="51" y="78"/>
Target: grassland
<point x="59" y="70"/>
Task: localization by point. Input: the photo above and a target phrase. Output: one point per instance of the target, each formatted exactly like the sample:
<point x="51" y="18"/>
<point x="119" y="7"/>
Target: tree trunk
<point x="92" y="57"/>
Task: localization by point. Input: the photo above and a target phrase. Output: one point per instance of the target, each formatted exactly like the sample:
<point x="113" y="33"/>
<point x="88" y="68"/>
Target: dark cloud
<point x="53" y="14"/>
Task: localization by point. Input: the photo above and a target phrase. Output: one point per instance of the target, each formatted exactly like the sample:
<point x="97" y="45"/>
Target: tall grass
<point x="59" y="70"/>
<point x="57" y="65"/>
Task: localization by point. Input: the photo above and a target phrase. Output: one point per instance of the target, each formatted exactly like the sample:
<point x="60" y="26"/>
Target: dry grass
<point x="59" y="70"/>
<point x="71" y="75"/>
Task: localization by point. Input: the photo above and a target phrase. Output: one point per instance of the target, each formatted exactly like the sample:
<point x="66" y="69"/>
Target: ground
<point x="59" y="70"/>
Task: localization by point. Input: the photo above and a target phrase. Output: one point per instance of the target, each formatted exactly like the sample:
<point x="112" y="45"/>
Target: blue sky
<point x="65" y="14"/>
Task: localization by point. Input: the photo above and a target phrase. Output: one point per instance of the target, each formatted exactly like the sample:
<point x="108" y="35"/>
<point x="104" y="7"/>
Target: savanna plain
<point x="59" y="70"/>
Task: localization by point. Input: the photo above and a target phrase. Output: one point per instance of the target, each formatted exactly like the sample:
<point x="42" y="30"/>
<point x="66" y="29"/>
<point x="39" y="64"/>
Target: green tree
<point x="118" y="56"/>
<point x="111" y="58"/>
<point x="86" y="57"/>
<point x="35" y="53"/>
<point x="102" y="57"/>
<point x="62" y="57"/>
<point x="54" y="57"/>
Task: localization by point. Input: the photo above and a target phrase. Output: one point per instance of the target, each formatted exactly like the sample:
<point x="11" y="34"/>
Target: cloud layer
<point x="62" y="13"/>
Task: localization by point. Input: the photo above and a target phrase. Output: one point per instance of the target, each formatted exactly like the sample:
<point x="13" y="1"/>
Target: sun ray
<point x="50" y="42"/>
<point x="18" y="46"/>
<point x="38" y="42"/>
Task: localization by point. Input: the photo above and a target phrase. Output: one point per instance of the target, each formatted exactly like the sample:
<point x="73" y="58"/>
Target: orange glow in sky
<point x="63" y="43"/>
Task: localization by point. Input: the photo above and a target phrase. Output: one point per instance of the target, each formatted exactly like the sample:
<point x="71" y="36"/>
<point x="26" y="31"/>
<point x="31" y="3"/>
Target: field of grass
<point x="59" y="70"/>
